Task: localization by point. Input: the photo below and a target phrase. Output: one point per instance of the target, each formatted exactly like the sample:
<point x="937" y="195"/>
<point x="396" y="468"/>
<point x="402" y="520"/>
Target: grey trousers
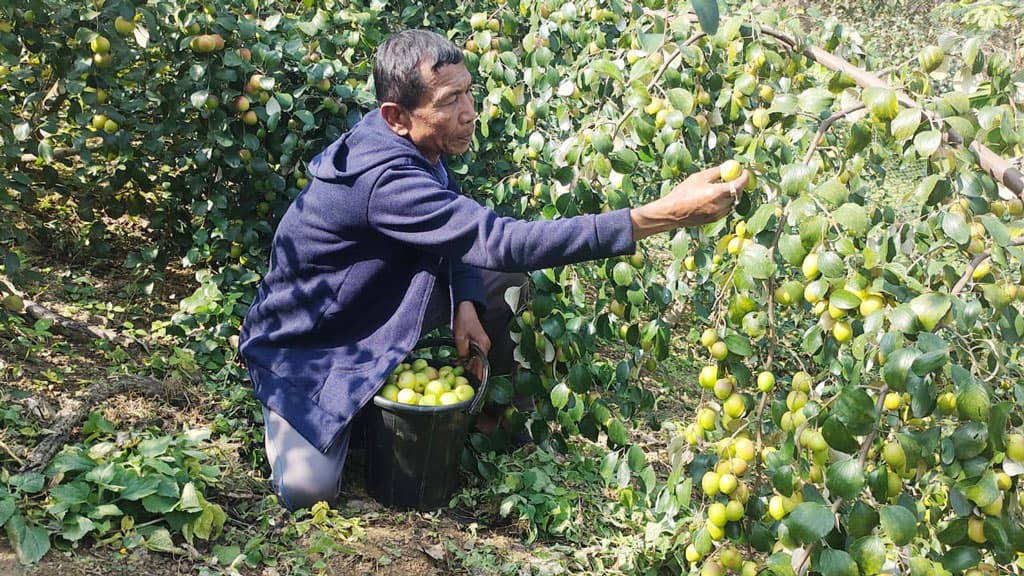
<point x="301" y="475"/>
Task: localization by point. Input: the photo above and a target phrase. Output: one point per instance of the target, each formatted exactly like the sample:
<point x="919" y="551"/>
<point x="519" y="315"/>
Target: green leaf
<point x="617" y="434"/>
<point x="930" y="308"/>
<point x="844" y="299"/>
<point x="756" y="261"/>
<point x="845" y="478"/>
<point x="955" y="226"/>
<point x="30" y="543"/>
<point x="869" y="553"/>
<point x="7" y="508"/>
<point x="853" y="217"/>
<point x="831" y="265"/>
<point x="815" y="100"/>
<point x="190" y="500"/>
<point x="75" y="527"/>
<point x="681" y="99"/>
<point x="832" y="192"/>
<point x="757" y="223"/>
<point x="999" y="419"/>
<point x="898" y="366"/>
<point x="961" y="558"/>
<point x="836" y="563"/>
<point x="636" y="458"/>
<point x="160" y="541"/>
<point x="792" y="249"/>
<point x="999" y="232"/>
<point x="810" y="522"/>
<point x="856" y="410"/>
<point x="985" y="491"/>
<point x="905" y="124"/>
<point x="926" y="143"/>
<point x="138" y="488"/>
<point x="624" y="161"/>
<point x="707" y="15"/>
<point x="226" y="554"/>
<point x="898" y="523"/>
<point x="739" y="345"/>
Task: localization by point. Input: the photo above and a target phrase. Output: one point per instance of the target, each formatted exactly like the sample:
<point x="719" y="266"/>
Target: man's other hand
<point x="468" y="329"/>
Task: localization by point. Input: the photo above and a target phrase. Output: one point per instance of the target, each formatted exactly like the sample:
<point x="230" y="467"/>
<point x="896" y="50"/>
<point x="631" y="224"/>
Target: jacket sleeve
<point x="409" y="205"/>
<point x="468" y="285"/>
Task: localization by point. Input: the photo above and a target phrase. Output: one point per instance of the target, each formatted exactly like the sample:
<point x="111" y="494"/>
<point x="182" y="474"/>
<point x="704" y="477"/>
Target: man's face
<point x="445" y="119"/>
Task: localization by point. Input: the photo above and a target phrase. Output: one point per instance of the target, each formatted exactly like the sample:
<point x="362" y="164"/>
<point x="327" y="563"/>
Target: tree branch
<point x="68" y="327"/>
<point x="76" y="410"/>
<point x="975" y="262"/>
<point x="823" y="128"/>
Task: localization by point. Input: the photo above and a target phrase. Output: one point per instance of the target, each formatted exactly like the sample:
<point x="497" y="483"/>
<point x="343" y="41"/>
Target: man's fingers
<point x="707" y="174"/>
<point x="738" y="184"/>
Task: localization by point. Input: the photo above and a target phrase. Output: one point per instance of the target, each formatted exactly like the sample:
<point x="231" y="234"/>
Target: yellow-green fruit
<point x="734" y="406"/>
<point x="894" y="455"/>
<point x="776" y="507"/>
<point x="947" y="403"/>
<point x="765" y="381"/>
<point x="802" y="381"/>
<point x="123" y="25"/>
<point x="708" y="376"/>
<point x="995" y="508"/>
<point x="719" y="350"/>
<point x="711" y="568"/>
<point x="976" y="530"/>
<point x="892" y="400"/>
<point x="709" y="483"/>
<point x="745" y="449"/>
<point x="796" y="399"/>
<point x="842" y="331"/>
<point x="809" y="267"/>
<point x="708" y="337"/>
<point x="716" y="514"/>
<point x="733" y="510"/>
<point x="100" y="45"/>
<point x="1015" y="447"/>
<point x="716" y="532"/>
<point x="692" y="556"/>
<point x="730" y="170"/>
<point x="723" y="389"/>
<point x="727" y="484"/>
<point x="870" y="304"/>
<point x="749" y="568"/>
<point x="730" y="558"/>
<point x="1003" y="481"/>
<point x="706" y="418"/>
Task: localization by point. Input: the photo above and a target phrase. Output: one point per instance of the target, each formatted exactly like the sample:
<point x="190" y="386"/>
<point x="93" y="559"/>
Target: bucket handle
<point x="478" y="401"/>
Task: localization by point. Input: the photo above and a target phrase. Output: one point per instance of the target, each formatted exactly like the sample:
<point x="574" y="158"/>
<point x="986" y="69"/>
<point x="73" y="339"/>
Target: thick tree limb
<point x="76" y="410"/>
<point x="998" y="167"/>
<point x="68" y="327"/>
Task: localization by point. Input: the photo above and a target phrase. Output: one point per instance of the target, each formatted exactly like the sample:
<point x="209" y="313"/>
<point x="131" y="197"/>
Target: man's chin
<point x="460" y="146"/>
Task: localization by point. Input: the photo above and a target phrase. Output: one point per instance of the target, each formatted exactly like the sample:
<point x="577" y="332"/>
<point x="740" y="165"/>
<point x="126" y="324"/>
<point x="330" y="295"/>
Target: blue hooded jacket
<point x="355" y="259"/>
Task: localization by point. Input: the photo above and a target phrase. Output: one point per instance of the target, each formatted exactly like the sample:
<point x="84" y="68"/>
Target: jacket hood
<point x="369" y="144"/>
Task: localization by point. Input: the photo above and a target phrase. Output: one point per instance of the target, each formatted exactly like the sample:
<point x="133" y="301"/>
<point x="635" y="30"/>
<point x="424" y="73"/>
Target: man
<point x="381" y="240"/>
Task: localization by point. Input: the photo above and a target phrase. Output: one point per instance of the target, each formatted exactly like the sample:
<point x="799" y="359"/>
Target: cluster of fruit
<point x="421" y="384"/>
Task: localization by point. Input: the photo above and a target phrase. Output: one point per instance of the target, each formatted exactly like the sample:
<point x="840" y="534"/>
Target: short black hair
<point x="396" y="73"/>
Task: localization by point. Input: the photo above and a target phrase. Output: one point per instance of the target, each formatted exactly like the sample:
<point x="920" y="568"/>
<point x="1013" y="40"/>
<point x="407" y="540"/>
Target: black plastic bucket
<point x="413" y="452"/>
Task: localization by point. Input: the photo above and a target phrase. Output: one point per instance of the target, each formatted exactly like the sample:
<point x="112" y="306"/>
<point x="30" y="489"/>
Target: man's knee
<point x="296" y="492"/>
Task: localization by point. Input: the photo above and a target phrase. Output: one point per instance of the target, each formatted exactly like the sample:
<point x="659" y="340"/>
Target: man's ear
<point x="396" y="117"/>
